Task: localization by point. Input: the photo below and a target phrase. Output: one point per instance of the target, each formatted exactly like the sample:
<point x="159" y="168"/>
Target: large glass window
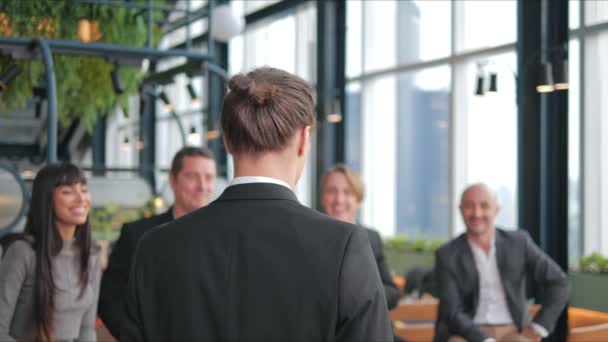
<point x="422" y="153"/>
<point x="596" y="12"/>
<point x="405" y="124"/>
<point x="588" y="130"/>
<point x="491" y="121"/>
<point x="442" y="137"/>
<point x="486" y="23"/>
<point x="574" y="156"/>
<point x="596" y="143"/>
<point x="423" y="29"/>
<point x="379" y="34"/>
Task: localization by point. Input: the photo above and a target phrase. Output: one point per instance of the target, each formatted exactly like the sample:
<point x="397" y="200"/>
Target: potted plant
<point x="589" y="284"/>
<point x="403" y="254"/>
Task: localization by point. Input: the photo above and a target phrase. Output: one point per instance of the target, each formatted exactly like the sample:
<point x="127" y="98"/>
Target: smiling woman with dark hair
<point x="49" y="278"/>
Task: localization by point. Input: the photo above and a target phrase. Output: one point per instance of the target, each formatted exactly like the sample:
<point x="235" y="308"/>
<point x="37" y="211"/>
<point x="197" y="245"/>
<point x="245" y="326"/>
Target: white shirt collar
<point x="476" y="248"/>
<point x="258" y="179"/>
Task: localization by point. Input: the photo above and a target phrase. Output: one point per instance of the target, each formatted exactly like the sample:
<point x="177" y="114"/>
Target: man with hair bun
<point x="256" y="265"/>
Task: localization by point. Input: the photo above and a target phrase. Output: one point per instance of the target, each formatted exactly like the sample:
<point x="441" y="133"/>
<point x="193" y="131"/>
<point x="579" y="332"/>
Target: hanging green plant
<point x="84" y="85"/>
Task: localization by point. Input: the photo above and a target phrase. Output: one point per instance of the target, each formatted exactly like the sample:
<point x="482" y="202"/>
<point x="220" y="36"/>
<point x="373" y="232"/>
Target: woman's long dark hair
<point x="47" y="242"/>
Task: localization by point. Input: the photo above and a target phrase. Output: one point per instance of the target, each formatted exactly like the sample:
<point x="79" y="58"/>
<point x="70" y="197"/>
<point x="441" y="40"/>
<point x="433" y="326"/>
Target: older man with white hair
<point x="482" y="277"/>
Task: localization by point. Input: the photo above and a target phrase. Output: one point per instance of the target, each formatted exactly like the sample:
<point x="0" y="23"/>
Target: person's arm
<point x="87" y="326"/>
<point x="450" y="304"/>
<point x="13" y="271"/>
<point x="390" y="289"/>
<point x="362" y="311"/>
<point x="550" y="277"/>
<point x="114" y="281"/>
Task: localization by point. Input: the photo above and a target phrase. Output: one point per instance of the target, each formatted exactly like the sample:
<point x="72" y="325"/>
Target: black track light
<point x="38" y="108"/>
<point x="493" y="82"/>
<point x="117" y="83"/>
<point x="479" y="88"/>
<point x="561" y="75"/>
<point x="193" y="136"/>
<point x="163" y="97"/>
<point x="39" y="92"/>
<point x="8" y="75"/>
<point x="126" y="143"/>
<point x="192" y="92"/>
<point x="545" y="81"/>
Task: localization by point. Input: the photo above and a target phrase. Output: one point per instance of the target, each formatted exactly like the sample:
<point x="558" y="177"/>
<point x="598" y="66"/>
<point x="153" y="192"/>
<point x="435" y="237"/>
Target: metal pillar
<point x="147" y="133"/>
<point x="99" y="146"/>
<point x="216" y="92"/>
<point x="543" y="137"/>
<point x="331" y="37"/>
<point x="51" y="96"/>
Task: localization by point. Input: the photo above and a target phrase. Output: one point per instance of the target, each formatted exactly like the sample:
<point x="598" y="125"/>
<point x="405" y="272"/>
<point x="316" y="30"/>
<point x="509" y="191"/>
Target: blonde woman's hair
<point x="352" y="178"/>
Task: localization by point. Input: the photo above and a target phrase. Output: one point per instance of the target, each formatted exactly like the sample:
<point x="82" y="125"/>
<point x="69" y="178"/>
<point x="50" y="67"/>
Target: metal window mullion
<point x="452" y="182"/>
<point x="433" y="63"/>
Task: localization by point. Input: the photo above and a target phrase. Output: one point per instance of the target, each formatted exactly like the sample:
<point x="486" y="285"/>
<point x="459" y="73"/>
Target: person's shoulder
<point x="513" y="235"/>
<point x="371" y="232"/>
<point x="139" y="227"/>
<point x="320" y="222"/>
<point x="159" y="231"/>
<point x="21" y="248"/>
<point x="373" y="236"/>
<point x="450" y="246"/>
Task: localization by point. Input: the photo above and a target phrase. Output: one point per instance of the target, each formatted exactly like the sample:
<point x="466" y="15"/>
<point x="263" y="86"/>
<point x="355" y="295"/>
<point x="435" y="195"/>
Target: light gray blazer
<point x="74" y="316"/>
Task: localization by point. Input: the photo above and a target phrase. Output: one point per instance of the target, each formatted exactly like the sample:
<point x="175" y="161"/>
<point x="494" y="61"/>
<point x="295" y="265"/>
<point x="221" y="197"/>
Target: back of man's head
<point x="264" y="109"/>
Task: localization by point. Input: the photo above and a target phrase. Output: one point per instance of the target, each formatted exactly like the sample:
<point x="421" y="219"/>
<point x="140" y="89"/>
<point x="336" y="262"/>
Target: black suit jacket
<point x="116" y="276"/>
<point x="390" y="289"/>
<point x="518" y="259"/>
<point x="255" y="265"/>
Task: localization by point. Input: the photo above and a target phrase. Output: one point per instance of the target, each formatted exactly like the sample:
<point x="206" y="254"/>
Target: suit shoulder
<point x="21" y="248"/>
<point x="450" y="246"/>
<point x="141" y="226"/>
<point x="517" y="235"/>
<point x="321" y="222"/>
<point x="372" y="233"/>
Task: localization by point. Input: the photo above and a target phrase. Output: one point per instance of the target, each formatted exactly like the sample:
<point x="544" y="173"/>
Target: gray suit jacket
<point x="518" y="258"/>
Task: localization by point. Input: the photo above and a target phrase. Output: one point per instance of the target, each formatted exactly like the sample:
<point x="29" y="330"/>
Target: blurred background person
<point x="49" y="278"/>
<point x="192" y="178"/>
<point x="482" y="277"/>
<point x="342" y="193"/>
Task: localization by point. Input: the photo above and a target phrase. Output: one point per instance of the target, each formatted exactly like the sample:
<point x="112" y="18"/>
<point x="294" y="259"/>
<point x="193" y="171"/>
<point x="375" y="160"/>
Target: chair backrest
<point x="415" y="312"/>
<point x="579" y="317"/>
<point x="593" y="333"/>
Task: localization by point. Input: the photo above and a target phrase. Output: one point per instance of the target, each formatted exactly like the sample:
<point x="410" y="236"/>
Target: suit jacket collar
<point x="257" y="191"/>
<point x="467" y="265"/>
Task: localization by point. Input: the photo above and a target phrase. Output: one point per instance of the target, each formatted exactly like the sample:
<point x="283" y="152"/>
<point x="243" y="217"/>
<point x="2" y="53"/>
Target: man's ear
<point x="227" y="145"/>
<point x="303" y="140"/>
